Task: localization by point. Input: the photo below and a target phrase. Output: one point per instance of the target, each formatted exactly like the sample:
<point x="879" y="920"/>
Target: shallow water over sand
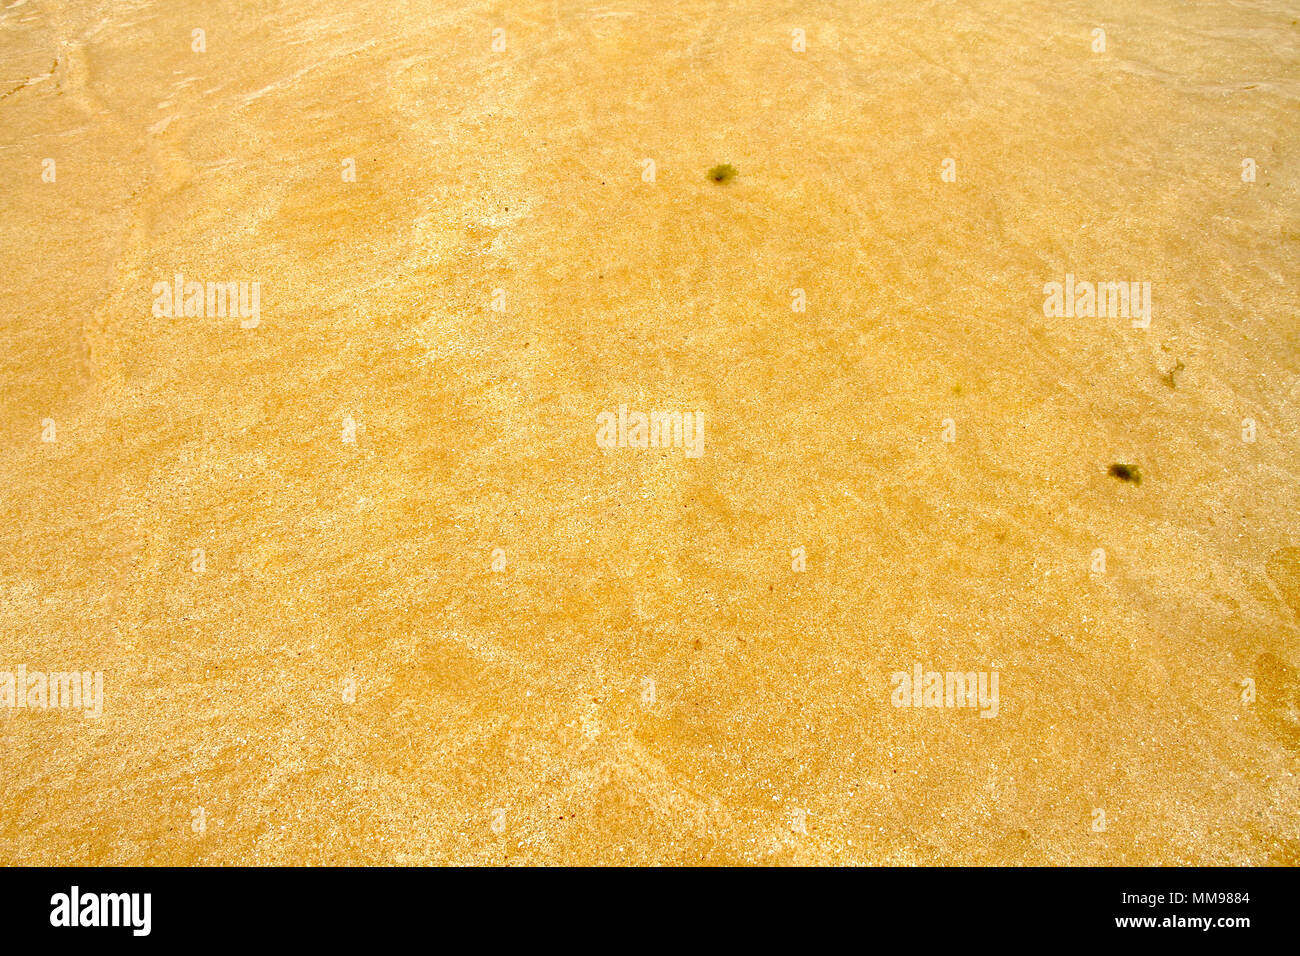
<point x="646" y="677"/>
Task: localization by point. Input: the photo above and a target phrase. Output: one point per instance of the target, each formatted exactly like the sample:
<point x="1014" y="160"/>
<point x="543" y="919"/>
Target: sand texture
<point x="362" y="583"/>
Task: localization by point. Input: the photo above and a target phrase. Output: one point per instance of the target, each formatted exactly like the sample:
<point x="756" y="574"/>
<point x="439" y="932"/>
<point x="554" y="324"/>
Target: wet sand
<point x="473" y="635"/>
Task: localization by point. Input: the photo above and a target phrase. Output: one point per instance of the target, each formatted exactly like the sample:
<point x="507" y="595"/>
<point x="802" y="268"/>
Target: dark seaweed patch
<point x="1123" y="472"/>
<point x="1169" y="375"/>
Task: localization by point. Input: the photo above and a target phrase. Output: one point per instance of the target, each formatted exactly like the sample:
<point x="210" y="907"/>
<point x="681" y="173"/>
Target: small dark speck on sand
<point x="722" y="173"/>
<point x="1169" y="375"/>
<point x="1126" y="472"/>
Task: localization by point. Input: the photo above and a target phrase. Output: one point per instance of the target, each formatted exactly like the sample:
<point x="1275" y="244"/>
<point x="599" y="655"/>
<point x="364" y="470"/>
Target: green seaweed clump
<point x="1126" y="472"/>
<point x="722" y="173"/>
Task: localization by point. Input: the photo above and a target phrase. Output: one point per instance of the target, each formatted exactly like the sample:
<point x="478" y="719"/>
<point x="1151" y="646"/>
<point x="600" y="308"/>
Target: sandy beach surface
<point x="362" y="584"/>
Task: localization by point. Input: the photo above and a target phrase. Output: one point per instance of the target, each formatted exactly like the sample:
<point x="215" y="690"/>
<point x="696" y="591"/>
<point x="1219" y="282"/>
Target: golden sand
<point x="307" y="654"/>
